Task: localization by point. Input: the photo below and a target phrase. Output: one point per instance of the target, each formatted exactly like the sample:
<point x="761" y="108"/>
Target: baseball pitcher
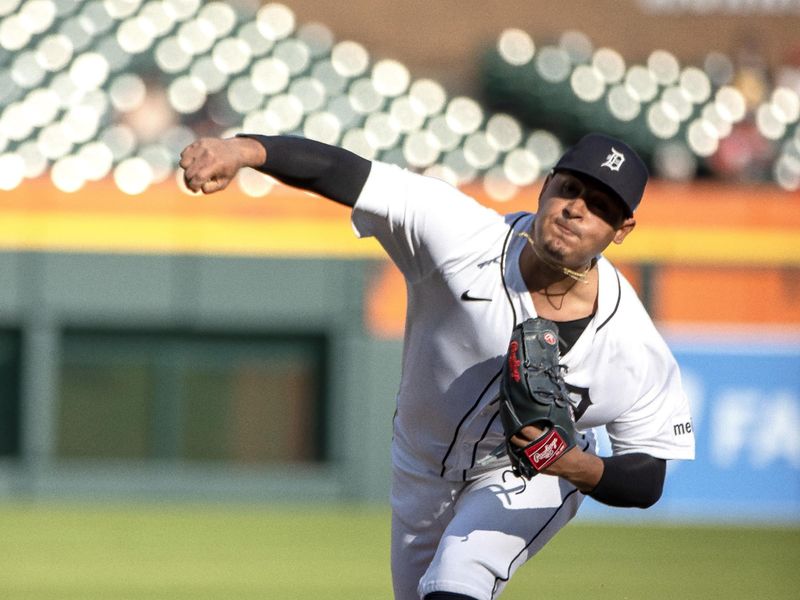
<point x="520" y="339"/>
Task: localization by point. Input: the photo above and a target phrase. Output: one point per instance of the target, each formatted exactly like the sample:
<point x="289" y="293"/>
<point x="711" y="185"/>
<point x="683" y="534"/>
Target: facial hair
<point x="548" y="246"/>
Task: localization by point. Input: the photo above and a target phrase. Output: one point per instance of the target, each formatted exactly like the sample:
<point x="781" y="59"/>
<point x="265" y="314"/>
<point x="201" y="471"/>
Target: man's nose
<point x="574" y="207"/>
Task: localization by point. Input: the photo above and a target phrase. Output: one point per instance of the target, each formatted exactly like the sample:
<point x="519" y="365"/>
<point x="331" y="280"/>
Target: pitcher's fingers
<point x="519" y="442"/>
<point x="188" y="155"/>
<point x="193" y="182"/>
<point x="201" y="172"/>
<point x="214" y="185"/>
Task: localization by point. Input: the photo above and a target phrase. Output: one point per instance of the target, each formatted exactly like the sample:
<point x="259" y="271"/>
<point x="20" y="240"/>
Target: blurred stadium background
<point x="244" y="347"/>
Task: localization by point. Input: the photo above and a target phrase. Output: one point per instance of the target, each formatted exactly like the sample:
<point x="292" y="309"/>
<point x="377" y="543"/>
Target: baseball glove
<point x="532" y="392"/>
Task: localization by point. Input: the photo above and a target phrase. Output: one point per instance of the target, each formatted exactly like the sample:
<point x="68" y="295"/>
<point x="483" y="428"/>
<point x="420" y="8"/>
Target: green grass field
<point x="175" y="552"/>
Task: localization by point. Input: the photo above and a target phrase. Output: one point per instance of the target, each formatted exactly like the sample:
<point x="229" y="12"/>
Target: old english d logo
<point x="614" y="160"/>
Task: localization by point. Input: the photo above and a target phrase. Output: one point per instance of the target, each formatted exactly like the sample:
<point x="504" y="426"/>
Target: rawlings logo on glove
<point x="546" y="450"/>
<point x="513" y="361"/>
<point x="532" y="392"/>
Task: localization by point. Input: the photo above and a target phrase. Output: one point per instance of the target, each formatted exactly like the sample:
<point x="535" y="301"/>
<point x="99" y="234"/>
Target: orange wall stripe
<point x="665" y="204"/>
<point x="699" y="295"/>
<point x="695" y="223"/>
<point x="696" y="204"/>
<point x="721" y="295"/>
<point x="334" y="237"/>
<point x="199" y="235"/>
<point x="734" y="246"/>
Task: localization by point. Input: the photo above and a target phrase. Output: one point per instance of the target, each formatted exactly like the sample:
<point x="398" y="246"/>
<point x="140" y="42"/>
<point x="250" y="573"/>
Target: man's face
<point x="578" y="219"/>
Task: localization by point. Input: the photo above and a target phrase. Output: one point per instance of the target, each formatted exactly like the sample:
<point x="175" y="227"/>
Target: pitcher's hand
<point x="210" y="164"/>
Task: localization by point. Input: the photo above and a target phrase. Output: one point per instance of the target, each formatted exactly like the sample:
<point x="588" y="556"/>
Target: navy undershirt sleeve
<point x="631" y="480"/>
<point x="332" y="172"/>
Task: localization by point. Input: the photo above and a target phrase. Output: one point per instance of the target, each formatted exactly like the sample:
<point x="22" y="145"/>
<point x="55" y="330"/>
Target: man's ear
<point x="623" y="230"/>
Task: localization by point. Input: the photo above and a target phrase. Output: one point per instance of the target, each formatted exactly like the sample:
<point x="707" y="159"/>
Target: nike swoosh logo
<point x="467" y="298"/>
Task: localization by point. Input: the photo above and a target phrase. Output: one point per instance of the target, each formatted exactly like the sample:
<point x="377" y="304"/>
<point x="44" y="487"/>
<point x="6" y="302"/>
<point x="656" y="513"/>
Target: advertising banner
<point x="745" y="396"/>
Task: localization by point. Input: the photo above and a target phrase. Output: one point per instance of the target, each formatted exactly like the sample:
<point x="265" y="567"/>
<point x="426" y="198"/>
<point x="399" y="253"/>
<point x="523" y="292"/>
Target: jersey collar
<point x="609" y="287"/>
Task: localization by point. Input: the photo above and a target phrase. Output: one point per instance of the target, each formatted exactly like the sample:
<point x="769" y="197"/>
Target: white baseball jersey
<point x="465" y="294"/>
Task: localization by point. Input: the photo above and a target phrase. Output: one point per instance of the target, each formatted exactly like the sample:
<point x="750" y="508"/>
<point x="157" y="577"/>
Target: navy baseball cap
<point x="611" y="162"/>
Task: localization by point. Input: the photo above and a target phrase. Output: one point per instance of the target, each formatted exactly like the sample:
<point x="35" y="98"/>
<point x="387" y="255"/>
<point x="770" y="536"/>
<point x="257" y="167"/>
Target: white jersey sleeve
<point x="659" y="421"/>
<point x="424" y="224"/>
<point x="623" y="376"/>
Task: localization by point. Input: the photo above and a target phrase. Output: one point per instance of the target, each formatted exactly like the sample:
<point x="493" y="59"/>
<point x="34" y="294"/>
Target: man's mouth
<point x="566" y="229"/>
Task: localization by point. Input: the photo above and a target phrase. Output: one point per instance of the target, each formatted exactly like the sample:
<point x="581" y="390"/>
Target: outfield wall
<point x="230" y="348"/>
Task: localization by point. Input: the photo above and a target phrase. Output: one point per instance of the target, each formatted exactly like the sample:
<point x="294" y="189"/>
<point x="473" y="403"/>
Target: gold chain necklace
<point x="583" y="277"/>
